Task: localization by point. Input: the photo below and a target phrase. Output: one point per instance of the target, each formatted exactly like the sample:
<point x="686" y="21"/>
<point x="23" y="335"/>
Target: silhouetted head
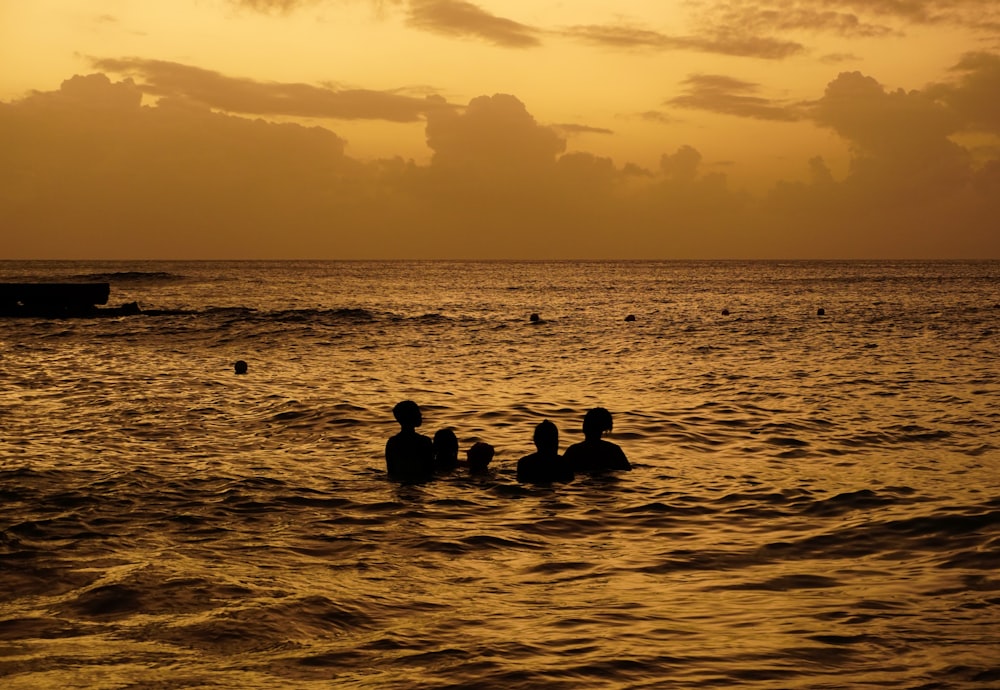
<point x="479" y="456"/>
<point x="445" y="444"/>
<point x="407" y="413"/>
<point x="546" y="437"/>
<point x="596" y="422"/>
<point x="535" y="318"/>
<point x="240" y="366"/>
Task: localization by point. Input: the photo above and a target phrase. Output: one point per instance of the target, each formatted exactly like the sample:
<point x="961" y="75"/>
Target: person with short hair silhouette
<point x="240" y="367"/>
<point x="594" y="455"/>
<point x="445" y="450"/>
<point x="409" y="456"/>
<point x="478" y="457"/>
<point x="545" y="465"/>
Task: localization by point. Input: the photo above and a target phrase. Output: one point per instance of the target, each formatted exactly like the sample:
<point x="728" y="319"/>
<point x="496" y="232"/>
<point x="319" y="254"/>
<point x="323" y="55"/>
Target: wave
<point x="134" y="277"/>
<point x="309" y="316"/>
<point x="278" y="316"/>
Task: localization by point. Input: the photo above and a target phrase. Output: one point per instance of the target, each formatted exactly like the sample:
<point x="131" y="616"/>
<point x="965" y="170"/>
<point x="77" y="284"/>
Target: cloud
<point x="569" y="128"/>
<point x="456" y="18"/>
<point x="850" y="18"/>
<point x="861" y="110"/>
<point x="238" y="95"/>
<point x="105" y="175"/>
<point x="885" y="123"/>
<point x="682" y="165"/>
<point x="658" y="117"/>
<point x="579" y="170"/>
<point x="899" y="140"/>
<point x="983" y="13"/>
<point x="910" y="189"/>
<point x="730" y="96"/>
<point x="834" y="58"/>
<point x="975" y="97"/>
<point x="460" y="18"/>
<point x="494" y="132"/>
<point x="735" y="43"/>
<point x="281" y="6"/>
<point x="762" y="18"/>
<point x="94" y="92"/>
<point x="90" y="172"/>
<point x="905" y="169"/>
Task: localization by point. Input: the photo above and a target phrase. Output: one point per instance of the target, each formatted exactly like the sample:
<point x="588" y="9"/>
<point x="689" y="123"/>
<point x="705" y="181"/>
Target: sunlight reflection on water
<point x="814" y="501"/>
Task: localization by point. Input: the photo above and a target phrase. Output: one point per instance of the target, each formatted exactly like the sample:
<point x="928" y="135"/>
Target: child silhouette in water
<point x="594" y="455"/>
<point x="409" y="456"/>
<point x="445" y="451"/>
<point x="478" y="457"/>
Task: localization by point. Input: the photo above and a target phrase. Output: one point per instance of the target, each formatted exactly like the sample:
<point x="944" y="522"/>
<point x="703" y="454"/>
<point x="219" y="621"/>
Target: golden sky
<point x="500" y="129"/>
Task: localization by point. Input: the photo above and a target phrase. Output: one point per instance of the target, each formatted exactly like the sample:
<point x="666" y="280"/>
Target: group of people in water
<point x="413" y="457"/>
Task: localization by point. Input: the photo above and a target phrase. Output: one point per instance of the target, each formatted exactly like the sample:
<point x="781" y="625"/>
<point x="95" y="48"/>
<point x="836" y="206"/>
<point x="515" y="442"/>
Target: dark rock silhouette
<point x="60" y="300"/>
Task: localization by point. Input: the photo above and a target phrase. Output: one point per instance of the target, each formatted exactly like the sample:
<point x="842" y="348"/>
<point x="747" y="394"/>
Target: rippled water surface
<point x="815" y="500"/>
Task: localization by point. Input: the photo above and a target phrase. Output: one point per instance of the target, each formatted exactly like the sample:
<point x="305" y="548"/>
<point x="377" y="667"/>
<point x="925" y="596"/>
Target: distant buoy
<point x="535" y="318"/>
<point x="630" y="317"/>
<point x="240" y="366"/>
<point x="725" y="312"/>
<point x="821" y="312"/>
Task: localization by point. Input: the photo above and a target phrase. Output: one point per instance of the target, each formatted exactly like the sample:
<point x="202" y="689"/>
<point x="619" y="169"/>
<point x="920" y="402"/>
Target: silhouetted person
<point x="594" y="455"/>
<point x="240" y="367"/>
<point x="545" y="465"/>
<point x="445" y="450"/>
<point x="409" y="456"/>
<point x="478" y="457"/>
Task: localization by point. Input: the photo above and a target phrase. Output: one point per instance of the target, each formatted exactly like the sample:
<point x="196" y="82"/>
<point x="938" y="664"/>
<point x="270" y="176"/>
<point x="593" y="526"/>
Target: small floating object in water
<point x="821" y="312"/>
<point x="630" y="317"/>
<point x="240" y="366"/>
<point x="535" y="318"/>
<point x="725" y="312"/>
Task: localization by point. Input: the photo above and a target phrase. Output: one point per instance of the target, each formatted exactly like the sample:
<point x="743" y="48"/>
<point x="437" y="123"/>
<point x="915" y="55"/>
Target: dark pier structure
<point x="60" y="300"/>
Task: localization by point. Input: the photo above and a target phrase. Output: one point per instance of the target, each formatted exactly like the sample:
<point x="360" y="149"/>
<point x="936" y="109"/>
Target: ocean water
<point x="815" y="499"/>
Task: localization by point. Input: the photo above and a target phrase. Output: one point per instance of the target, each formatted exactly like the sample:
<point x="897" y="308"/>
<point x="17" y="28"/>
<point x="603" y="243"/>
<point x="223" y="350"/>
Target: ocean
<point x="814" y="500"/>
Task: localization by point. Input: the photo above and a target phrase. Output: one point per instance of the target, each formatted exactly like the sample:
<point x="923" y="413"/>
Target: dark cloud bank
<point x="91" y="172"/>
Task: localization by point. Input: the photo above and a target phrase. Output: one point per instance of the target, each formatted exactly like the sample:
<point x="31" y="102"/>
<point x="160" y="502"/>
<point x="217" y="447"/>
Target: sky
<point x="500" y="129"/>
